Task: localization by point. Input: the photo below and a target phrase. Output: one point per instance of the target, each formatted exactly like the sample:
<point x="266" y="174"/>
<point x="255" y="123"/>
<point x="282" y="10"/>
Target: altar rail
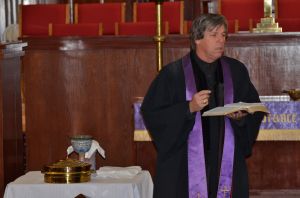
<point x="79" y="85"/>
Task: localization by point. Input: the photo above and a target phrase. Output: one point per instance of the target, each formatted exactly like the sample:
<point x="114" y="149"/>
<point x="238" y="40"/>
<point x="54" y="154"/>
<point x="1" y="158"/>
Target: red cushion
<point x="146" y="11"/>
<point x="289" y="25"/>
<point x="34" y="30"/>
<point x="170" y="10"/>
<point x="107" y="14"/>
<point x="147" y="28"/>
<point x="75" y="29"/>
<point x="288" y="9"/>
<point x="35" y="18"/>
<point x="171" y="13"/>
<point x="243" y="10"/>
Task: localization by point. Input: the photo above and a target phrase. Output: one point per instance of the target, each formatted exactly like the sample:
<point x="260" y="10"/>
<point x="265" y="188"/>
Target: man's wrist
<point x="190" y="115"/>
<point x="191" y="108"/>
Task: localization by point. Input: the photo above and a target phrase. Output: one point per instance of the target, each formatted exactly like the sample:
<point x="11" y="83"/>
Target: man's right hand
<point x="199" y="100"/>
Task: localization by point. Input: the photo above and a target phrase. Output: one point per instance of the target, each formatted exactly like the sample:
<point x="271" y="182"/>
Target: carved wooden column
<point x="11" y="136"/>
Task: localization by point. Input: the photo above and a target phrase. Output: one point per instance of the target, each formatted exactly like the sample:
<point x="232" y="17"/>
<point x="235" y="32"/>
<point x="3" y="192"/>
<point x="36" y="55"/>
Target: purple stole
<point x="196" y="159"/>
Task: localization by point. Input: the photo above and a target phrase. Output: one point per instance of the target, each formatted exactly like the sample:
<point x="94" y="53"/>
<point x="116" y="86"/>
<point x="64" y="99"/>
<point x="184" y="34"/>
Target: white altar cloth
<point x="32" y="185"/>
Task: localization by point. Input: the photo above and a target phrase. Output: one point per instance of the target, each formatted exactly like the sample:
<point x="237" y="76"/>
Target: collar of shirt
<point x="208" y="69"/>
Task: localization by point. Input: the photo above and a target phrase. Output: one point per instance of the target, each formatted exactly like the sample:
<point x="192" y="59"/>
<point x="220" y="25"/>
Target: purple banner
<point x="138" y="119"/>
<point x="283" y="115"/>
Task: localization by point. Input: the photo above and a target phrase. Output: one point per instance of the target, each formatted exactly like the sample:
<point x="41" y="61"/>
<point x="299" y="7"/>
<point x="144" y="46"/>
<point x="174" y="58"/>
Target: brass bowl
<point x="293" y="93"/>
<point x="67" y="171"/>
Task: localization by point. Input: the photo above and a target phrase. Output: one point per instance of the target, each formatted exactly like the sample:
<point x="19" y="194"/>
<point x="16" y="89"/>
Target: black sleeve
<point x="166" y="112"/>
<point x="246" y="130"/>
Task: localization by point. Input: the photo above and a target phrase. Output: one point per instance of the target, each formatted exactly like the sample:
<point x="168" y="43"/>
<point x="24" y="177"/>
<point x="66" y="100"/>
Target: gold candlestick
<point x="267" y="8"/>
<point x="159" y="38"/>
<point x="267" y="24"/>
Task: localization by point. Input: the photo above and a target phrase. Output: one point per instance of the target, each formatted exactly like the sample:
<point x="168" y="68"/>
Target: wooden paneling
<point x="272" y="60"/>
<point x="11" y="136"/>
<point x="275" y="165"/>
<point x="87" y="85"/>
<point x="84" y="88"/>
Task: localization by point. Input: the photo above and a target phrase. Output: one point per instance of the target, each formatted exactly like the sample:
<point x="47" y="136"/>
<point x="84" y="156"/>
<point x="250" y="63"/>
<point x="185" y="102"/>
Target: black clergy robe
<point x="166" y="115"/>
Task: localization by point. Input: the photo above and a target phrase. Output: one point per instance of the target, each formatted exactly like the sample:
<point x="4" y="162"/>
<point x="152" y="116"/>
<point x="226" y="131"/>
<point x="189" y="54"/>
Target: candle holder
<point x="293" y="93"/>
<point x="267" y="24"/>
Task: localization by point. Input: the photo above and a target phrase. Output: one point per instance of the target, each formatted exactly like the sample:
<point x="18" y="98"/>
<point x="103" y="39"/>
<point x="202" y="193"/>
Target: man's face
<point x="211" y="46"/>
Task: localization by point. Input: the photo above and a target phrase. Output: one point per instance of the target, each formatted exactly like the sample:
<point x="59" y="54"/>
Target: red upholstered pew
<point x="98" y="19"/>
<point x="34" y="19"/>
<point x="147" y="28"/>
<point x="105" y="13"/>
<point x="93" y="19"/>
<point x="84" y="29"/>
<point x="173" y="14"/>
<point x="243" y="13"/>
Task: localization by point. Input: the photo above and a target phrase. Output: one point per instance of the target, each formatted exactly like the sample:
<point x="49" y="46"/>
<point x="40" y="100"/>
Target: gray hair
<point x="205" y="22"/>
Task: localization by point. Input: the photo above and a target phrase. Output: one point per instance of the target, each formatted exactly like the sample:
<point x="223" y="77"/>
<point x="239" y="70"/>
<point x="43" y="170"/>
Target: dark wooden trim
<point x="11" y="140"/>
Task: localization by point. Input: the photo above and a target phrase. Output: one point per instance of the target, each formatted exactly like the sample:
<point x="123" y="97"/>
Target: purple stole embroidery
<point x="196" y="159"/>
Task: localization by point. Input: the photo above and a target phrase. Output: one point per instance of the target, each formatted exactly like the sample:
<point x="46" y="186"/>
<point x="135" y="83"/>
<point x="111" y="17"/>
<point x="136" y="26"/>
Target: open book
<point x="234" y="107"/>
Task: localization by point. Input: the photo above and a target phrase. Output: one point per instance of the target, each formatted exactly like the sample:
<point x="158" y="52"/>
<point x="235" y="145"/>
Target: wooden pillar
<point x="11" y="136"/>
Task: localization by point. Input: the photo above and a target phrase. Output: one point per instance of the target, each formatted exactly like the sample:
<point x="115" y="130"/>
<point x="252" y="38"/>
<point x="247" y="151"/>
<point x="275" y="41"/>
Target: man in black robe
<point x="170" y="117"/>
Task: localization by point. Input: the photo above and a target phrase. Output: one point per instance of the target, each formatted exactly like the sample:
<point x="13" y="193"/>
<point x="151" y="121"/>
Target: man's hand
<point x="237" y="115"/>
<point x="199" y="100"/>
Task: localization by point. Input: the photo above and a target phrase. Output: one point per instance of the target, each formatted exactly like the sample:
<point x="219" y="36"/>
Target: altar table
<point x="281" y="124"/>
<point x="32" y="185"/>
